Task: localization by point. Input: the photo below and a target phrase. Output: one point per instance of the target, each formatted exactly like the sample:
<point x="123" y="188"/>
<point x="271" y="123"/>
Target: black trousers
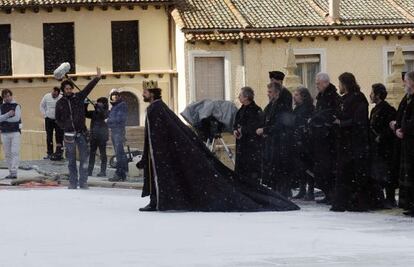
<point x="50" y="125"/>
<point x="96" y="143"/>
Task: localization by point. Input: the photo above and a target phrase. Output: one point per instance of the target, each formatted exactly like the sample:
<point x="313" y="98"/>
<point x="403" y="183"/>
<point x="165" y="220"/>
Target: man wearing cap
<point x="116" y="122"/>
<point x="285" y="94"/>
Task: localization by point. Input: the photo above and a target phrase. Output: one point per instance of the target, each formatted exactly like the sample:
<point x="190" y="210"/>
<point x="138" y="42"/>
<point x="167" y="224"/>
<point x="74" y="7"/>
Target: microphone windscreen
<point x="61" y="71"/>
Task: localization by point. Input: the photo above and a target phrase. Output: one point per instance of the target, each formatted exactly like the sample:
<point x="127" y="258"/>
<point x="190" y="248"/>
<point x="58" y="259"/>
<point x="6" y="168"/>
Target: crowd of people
<point x="357" y="160"/>
<point x="65" y="112"/>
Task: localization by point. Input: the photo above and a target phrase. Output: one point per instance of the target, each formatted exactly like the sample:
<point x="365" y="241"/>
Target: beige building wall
<point x="365" y="58"/>
<point x="93" y="47"/>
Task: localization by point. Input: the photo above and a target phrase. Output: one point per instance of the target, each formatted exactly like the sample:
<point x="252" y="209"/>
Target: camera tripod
<point x="212" y="146"/>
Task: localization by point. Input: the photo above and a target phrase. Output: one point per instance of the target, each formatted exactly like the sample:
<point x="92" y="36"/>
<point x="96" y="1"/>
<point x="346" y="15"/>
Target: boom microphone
<point x="61" y="71"/>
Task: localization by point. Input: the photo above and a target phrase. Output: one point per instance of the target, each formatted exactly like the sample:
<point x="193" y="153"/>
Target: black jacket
<point x="98" y="128"/>
<point x="382" y="137"/>
<point x="70" y="110"/>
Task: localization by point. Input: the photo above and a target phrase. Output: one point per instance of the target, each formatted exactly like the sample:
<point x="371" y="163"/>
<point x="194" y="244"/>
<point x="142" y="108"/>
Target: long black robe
<point x="354" y="189"/>
<point x="278" y="146"/>
<point x="382" y="144"/>
<point x="302" y="149"/>
<point x="324" y="139"/>
<point x="407" y="153"/>
<point x="184" y="175"/>
<point x="402" y="192"/>
<point x="249" y="145"/>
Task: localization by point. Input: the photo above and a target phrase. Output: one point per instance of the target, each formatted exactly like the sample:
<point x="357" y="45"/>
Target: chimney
<point x="334" y="10"/>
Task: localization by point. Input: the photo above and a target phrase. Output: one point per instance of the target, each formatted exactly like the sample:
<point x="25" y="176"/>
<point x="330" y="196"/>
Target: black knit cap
<point x="277" y="75"/>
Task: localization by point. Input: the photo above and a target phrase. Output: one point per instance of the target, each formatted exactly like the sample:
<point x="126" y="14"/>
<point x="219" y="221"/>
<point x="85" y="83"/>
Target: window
<point x="125" y="46"/>
<point x="308" y="67"/>
<point x="5" y="51"/>
<point x="58" y="46"/>
<point x="209" y="78"/>
<point x="409" y="61"/>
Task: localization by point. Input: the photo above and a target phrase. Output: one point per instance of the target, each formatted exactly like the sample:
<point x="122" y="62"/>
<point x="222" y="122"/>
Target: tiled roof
<point x="222" y="36"/>
<point x="208" y="14"/>
<point x="368" y="12"/>
<point x="30" y="3"/>
<point x="278" y="13"/>
<point x="254" y="19"/>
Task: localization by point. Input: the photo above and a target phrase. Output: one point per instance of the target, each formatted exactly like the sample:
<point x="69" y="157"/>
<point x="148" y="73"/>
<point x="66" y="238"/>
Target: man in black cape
<point x="180" y="173"/>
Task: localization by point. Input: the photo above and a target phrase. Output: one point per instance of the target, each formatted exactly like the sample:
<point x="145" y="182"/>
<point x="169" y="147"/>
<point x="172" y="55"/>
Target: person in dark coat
<point x="98" y="134"/>
<point x="182" y="174"/>
<point x="301" y="146"/>
<point x="352" y="185"/>
<point x="277" y="133"/>
<point x="70" y="116"/>
<point x="405" y="132"/>
<point x="382" y="143"/>
<point x="248" y="143"/>
<point x="323" y="136"/>
<point x="285" y="94"/>
<point x="394" y="125"/>
<point x="117" y="119"/>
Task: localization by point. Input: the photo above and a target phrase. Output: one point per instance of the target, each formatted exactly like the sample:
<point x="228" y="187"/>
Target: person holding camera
<point x="70" y="116"/>
<point x="248" y="143"/>
<point x="116" y="122"/>
<point x="10" y="125"/>
<point x="99" y="134"/>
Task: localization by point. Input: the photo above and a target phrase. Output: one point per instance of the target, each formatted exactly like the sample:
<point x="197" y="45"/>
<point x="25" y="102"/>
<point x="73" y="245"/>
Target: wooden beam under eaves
<point x="77" y="8"/>
<point x="117" y="7"/>
<point x="63" y="8"/>
<point x="90" y="8"/>
<point x="144" y="7"/>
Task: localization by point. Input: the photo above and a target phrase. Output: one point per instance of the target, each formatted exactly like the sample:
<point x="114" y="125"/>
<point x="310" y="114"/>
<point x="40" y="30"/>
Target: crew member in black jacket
<point x="99" y="134"/>
<point x="70" y="116"/>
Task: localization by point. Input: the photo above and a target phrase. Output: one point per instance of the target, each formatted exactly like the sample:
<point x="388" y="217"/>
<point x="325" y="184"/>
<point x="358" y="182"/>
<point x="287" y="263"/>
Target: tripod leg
<point x="228" y="151"/>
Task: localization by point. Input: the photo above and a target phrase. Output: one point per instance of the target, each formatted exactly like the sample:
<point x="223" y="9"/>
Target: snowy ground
<point x="102" y="227"/>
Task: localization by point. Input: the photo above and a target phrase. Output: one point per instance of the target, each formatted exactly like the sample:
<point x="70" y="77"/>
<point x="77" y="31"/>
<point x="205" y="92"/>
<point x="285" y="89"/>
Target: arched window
<point x="133" y="108"/>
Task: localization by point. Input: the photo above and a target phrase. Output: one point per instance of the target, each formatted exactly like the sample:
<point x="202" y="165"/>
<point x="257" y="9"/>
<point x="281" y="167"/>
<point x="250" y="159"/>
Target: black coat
<point x="301" y="138"/>
<point x="248" y="146"/>
<point x="98" y="128"/>
<point x="70" y="110"/>
<point x="382" y="142"/>
<point x="323" y="138"/>
<point x="278" y="146"/>
<point x="407" y="153"/>
<point x="187" y="176"/>
<point x="354" y="190"/>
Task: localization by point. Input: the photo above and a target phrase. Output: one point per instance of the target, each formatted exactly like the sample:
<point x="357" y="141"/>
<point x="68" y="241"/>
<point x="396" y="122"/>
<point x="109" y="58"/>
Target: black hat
<point x="277" y="75"/>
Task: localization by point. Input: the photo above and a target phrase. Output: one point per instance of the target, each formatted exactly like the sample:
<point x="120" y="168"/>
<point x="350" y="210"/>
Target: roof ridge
<point x="175" y="14"/>
<point x="404" y="12"/>
<point x="233" y="9"/>
<point x="323" y="13"/>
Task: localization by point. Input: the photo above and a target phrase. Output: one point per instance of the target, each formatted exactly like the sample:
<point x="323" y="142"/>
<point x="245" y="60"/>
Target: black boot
<point x="152" y="206"/>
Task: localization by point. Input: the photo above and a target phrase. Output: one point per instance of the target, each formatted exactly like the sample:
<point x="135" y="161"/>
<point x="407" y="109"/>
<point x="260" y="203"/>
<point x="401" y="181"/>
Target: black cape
<point x="186" y="175"/>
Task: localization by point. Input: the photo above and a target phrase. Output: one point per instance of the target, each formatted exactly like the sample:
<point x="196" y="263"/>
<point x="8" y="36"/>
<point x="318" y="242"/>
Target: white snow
<point x="102" y="227"/>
